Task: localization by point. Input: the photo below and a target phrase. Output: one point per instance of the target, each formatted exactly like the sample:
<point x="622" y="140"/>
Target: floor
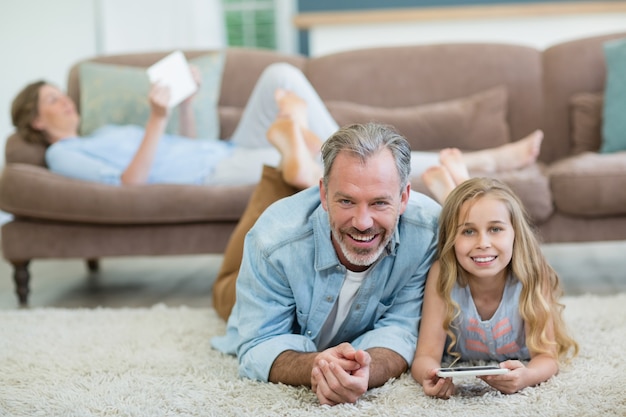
<point x="187" y="280"/>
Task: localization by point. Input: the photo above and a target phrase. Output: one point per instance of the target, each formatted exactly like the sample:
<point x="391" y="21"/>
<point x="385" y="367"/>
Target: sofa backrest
<point x="569" y="68"/>
<point x="421" y="74"/>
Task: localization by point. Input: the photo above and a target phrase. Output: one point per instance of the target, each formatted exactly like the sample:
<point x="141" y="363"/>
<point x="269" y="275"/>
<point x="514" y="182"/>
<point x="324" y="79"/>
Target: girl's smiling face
<point x="484" y="238"/>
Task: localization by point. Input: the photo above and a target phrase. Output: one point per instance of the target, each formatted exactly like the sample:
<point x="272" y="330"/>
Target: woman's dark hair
<point x="24" y="112"/>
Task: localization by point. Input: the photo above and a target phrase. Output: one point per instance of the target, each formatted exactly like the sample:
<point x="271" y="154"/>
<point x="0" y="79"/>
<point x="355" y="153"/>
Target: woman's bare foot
<point x="292" y="106"/>
<point x="507" y="157"/>
<point x="297" y="165"/>
<point x="439" y="182"/>
<point x="452" y="160"/>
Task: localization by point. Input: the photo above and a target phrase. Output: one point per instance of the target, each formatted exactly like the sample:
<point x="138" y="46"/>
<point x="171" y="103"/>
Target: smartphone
<point x="471" y="371"/>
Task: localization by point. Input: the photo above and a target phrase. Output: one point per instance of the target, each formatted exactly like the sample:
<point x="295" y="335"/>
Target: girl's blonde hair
<point x="539" y="306"/>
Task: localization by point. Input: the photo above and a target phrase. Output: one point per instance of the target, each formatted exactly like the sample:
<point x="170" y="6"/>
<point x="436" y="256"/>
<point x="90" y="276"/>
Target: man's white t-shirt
<point x="351" y="284"/>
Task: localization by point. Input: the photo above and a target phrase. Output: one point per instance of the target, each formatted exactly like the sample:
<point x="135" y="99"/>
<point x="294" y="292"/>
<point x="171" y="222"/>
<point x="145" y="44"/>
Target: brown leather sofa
<point x="466" y="95"/>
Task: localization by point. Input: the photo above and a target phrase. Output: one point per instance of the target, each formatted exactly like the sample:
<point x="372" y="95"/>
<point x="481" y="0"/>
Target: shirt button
<point x="357" y="307"/>
<point x="308" y="333"/>
<point x="329" y="298"/>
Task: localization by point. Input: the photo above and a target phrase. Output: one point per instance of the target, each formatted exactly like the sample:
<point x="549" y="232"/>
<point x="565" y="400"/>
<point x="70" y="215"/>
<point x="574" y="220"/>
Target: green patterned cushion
<point x="614" y="112"/>
<point x="117" y="94"/>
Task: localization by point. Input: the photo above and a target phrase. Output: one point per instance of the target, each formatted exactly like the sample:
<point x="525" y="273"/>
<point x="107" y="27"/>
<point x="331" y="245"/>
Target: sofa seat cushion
<point x="531" y="184"/>
<point x="590" y="184"/>
<point x="31" y="191"/>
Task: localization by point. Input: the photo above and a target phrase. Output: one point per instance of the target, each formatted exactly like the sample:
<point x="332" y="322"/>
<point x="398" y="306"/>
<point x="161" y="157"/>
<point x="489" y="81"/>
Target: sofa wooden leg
<point x="21" y="276"/>
<point x="93" y="265"/>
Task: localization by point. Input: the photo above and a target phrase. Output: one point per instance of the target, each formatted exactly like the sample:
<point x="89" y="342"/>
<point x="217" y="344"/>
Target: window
<point x="251" y="23"/>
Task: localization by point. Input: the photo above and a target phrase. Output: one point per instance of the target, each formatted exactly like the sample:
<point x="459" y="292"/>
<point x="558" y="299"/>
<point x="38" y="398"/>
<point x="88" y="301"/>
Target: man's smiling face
<point x="364" y="203"/>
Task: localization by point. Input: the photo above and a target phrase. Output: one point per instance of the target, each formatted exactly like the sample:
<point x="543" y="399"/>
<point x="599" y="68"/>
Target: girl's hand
<point x="438" y="387"/>
<point x="159" y="97"/>
<point x="511" y="382"/>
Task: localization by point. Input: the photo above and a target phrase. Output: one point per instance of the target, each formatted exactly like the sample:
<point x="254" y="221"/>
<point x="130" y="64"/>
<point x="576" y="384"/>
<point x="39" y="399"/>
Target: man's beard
<point x="360" y="256"/>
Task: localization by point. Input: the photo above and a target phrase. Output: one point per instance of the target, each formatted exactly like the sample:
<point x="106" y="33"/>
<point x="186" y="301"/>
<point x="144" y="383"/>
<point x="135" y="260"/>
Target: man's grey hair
<point x="365" y="140"/>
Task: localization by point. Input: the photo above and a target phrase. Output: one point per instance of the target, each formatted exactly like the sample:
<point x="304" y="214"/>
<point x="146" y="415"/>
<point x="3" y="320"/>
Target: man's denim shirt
<point x="290" y="279"/>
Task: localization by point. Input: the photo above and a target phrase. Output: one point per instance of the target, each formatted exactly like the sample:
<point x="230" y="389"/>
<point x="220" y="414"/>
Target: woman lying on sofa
<point x="138" y="155"/>
<point x="300" y="168"/>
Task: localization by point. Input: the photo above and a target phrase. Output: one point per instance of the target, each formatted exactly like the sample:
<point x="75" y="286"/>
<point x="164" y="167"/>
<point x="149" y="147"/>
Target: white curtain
<point x="125" y="26"/>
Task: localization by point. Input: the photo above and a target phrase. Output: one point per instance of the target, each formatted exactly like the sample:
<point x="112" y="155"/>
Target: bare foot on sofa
<point x="298" y="167"/>
<point x="291" y="105"/>
<point x="507" y="157"/>
<point x="439" y="181"/>
<point x="452" y="160"/>
<point x="294" y="107"/>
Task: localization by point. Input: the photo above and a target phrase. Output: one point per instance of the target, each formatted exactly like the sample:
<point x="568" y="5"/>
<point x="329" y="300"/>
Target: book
<point x="174" y="72"/>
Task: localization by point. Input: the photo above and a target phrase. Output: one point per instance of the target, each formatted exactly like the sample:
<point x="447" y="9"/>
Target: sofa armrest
<point x="18" y="150"/>
<point x="32" y="191"/>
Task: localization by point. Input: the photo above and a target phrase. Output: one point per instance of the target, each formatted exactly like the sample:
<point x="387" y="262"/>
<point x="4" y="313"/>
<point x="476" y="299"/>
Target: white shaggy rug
<point x="158" y="362"/>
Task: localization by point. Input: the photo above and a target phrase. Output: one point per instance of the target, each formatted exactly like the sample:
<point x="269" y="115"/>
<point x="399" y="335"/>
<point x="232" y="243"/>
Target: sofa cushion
<point x="586" y="115"/>
<point x="590" y="184"/>
<point x="531" y="184"/>
<point x="31" y="191"/>
<point x="614" y="122"/>
<point x="118" y="94"/>
<point x="469" y="123"/>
